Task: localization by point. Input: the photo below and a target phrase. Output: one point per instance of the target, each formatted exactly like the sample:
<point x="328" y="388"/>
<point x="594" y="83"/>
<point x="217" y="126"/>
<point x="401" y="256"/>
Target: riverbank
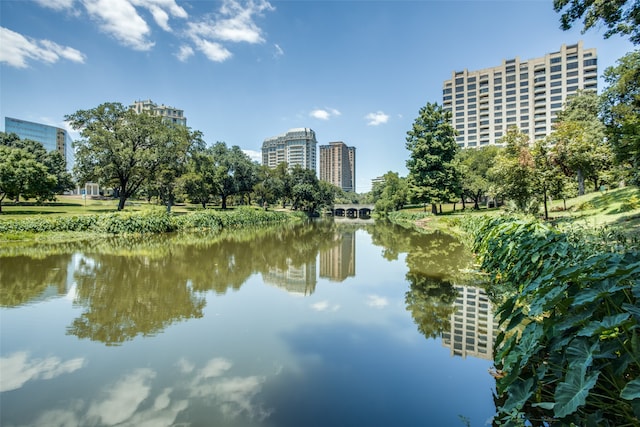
<point x="566" y="293"/>
<point x="67" y="225"/>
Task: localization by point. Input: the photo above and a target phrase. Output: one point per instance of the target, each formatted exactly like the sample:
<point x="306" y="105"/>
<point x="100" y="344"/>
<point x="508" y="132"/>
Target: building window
<point x="572" y="81"/>
<point x="572" y="65"/>
<point x="511" y="78"/>
<point x="559" y="90"/>
<point x="556" y="59"/>
<point x="471" y="87"/>
<point x="556" y="83"/>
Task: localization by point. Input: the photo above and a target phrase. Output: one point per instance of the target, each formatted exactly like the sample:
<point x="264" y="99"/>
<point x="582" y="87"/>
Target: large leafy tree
<point x="308" y="193"/>
<point x="199" y="181"/>
<point x="474" y="164"/>
<point x="514" y="170"/>
<point x="621" y="111"/>
<point x="29" y="170"/>
<point x="433" y="176"/>
<point x="124" y="149"/>
<point x="619" y="16"/>
<point x="390" y="194"/>
<point x="579" y="145"/>
<point x="233" y="171"/>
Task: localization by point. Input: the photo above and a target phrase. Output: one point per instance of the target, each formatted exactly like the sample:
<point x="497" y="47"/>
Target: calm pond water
<point x="326" y="324"/>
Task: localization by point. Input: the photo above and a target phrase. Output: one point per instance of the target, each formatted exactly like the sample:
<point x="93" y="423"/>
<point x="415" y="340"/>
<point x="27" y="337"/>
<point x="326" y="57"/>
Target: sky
<point x="356" y="71"/>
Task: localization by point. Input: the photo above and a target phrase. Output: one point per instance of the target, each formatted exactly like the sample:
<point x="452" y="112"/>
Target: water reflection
<point x="195" y="338"/>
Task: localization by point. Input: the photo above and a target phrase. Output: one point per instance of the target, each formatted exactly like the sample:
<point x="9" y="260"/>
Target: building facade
<point x="527" y="94"/>
<point x="295" y="147"/>
<point x="168" y="114"/>
<point x="51" y="137"/>
<point x="338" y="165"/>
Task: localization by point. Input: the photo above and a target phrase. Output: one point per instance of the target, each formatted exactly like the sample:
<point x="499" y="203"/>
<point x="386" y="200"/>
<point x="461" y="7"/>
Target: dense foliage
<point x="151" y="221"/>
<point x="433" y="177"/>
<point x="28" y="170"/>
<point x="569" y="349"/>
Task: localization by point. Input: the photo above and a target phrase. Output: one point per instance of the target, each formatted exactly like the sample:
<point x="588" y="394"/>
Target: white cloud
<point x="56" y="4"/>
<point x="377" y="118"/>
<point x="120" y="19"/>
<point x="255" y="156"/>
<point x="377" y="301"/>
<point x="279" y="52"/>
<point x="17" y="369"/>
<point x="184" y="53"/>
<point x="215" y="368"/>
<point x="213" y="50"/>
<point x="324" y="114"/>
<point x="16" y="50"/>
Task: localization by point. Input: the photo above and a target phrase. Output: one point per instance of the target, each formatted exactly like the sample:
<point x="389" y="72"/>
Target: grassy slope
<point x="617" y="208"/>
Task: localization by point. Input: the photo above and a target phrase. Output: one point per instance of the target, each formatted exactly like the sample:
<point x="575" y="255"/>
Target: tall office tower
<point x="296" y="147"/>
<point x="473" y="327"/>
<point x="527" y="94"/>
<point x="338" y="165"/>
<point x="51" y="137"/>
<point x="168" y="114"/>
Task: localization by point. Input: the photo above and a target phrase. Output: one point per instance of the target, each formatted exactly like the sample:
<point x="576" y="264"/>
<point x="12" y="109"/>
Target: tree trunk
<point x="121" y="201"/>
<point x="546" y="212"/>
<point x="580" y="183"/>
<point x="204" y="205"/>
<point x="224" y="202"/>
<point x="434" y="209"/>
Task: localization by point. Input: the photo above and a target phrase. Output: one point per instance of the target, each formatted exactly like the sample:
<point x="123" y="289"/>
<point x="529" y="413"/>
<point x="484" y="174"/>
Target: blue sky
<point x="355" y="71"/>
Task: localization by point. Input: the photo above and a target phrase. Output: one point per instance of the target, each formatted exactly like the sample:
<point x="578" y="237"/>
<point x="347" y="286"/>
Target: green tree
<point x="433" y="177"/>
<point x="122" y="148"/>
<point x="474" y="166"/>
<point x="199" y="180"/>
<point x="308" y="193"/>
<point x="390" y="194"/>
<point x="579" y="145"/>
<point x="233" y="171"/>
<point x="621" y="111"/>
<point x="22" y="175"/>
<point x="619" y="16"/>
<point x="513" y="171"/>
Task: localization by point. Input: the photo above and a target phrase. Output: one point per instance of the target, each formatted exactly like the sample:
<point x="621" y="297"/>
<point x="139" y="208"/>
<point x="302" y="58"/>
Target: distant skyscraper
<point x="296" y="147"/>
<point x="51" y="137"/>
<point x="168" y="114"/>
<point x="339" y="262"/>
<point x="527" y="94"/>
<point x="338" y="165"/>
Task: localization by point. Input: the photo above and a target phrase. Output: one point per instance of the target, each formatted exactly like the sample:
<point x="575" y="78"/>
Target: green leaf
<point x="519" y="392"/>
<point x="547" y="301"/>
<point x="573" y="392"/>
<point x="631" y="390"/>
<point x="544" y="405"/>
<point x="597" y="327"/>
<point x="581" y="354"/>
<point x="599" y="290"/>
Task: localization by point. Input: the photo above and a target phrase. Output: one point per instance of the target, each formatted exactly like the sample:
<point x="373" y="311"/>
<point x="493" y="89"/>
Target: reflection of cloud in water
<point x="324" y="306"/>
<point x="17" y="369"/>
<point x="377" y="301"/>
<point x="122" y="399"/>
<point x="235" y="395"/>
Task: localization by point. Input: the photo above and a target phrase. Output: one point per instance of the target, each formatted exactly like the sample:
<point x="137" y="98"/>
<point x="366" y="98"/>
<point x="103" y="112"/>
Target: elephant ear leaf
<point x="573" y="392"/>
<point x="631" y="390"/>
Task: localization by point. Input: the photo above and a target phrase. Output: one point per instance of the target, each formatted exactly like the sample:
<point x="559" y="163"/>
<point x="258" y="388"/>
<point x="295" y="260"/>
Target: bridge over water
<point x="352" y="210"/>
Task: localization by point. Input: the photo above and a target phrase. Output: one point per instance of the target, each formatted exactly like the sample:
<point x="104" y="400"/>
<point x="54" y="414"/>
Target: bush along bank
<point x="151" y="221"/>
<point x="569" y="311"/>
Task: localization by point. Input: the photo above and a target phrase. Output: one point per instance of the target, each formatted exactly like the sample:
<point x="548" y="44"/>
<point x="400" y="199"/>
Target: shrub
<point x="568" y="353"/>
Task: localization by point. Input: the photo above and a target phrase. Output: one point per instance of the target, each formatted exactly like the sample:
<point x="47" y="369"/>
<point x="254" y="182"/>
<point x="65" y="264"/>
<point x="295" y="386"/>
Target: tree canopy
<point x="124" y="149"/>
<point x="28" y="170"/>
<point x="433" y="177"/>
<point x="619" y="16"/>
<point x="621" y="111"/>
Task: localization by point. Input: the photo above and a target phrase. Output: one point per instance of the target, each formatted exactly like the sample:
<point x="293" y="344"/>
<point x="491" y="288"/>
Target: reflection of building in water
<point x="295" y="279"/>
<point x="473" y="327"/>
<point x="339" y="262"/>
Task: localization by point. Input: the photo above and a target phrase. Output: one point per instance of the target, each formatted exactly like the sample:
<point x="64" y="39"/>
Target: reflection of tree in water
<point x="23" y="278"/>
<point x="435" y="260"/>
<point x="139" y="288"/>
<point x="129" y="296"/>
<point x="431" y="303"/>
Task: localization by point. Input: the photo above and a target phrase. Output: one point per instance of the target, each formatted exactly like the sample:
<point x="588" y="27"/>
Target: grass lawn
<point x="619" y="208"/>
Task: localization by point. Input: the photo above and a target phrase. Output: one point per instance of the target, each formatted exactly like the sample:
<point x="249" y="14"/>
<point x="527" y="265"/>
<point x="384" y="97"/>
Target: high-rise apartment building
<point x="168" y="114"/>
<point x="51" y="137"/>
<point x="527" y="94"/>
<point x="296" y="147"/>
<point x="338" y="165"/>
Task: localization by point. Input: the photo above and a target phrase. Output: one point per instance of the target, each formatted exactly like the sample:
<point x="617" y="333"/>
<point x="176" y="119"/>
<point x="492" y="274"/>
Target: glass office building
<point x="51" y="137"/>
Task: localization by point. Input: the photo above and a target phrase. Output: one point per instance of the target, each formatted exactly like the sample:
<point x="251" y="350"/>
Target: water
<point x="329" y="324"/>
